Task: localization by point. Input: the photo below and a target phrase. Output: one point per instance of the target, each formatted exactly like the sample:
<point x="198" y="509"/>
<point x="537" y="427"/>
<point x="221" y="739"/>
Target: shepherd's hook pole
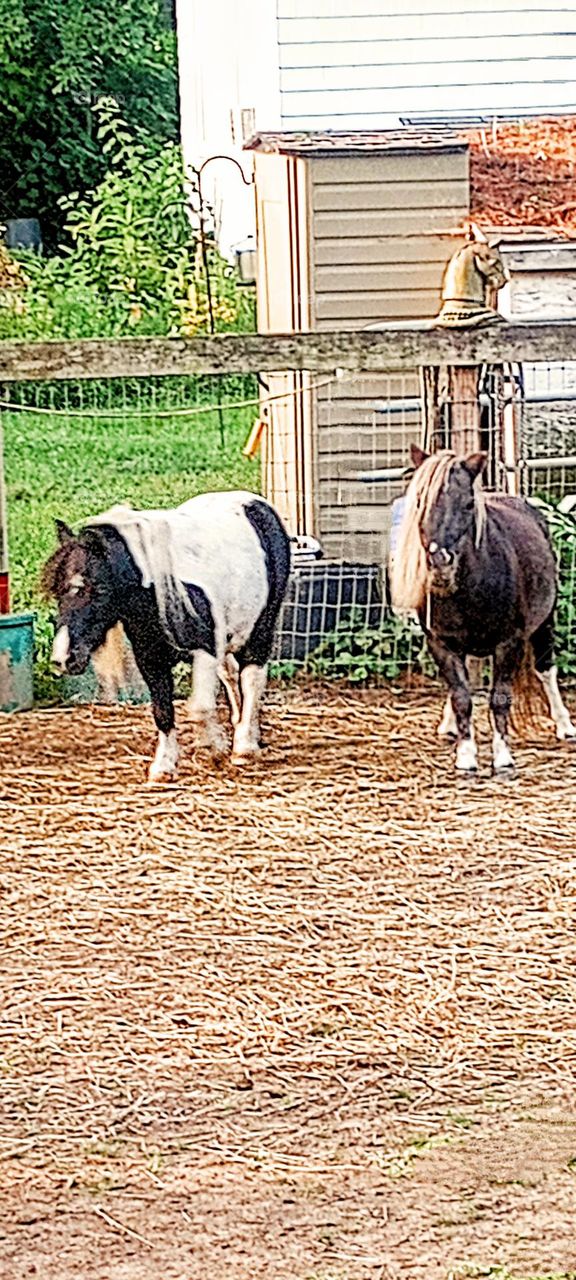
<point x="204" y="250"/>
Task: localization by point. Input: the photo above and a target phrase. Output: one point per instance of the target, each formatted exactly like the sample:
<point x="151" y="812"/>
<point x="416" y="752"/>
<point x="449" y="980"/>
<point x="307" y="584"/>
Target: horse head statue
<point x="475" y="272"/>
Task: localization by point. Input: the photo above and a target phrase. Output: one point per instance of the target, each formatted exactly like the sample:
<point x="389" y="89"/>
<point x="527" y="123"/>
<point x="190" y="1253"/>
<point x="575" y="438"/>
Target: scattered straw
<point x="121" y="1226"/>
<point x="252" y="965"/>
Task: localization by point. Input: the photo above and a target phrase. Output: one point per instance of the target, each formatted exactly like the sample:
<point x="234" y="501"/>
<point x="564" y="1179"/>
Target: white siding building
<point x="359" y="64"/>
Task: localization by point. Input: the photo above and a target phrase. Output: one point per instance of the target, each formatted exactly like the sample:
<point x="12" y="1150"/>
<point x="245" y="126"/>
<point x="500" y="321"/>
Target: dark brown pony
<point x="480" y="571"/>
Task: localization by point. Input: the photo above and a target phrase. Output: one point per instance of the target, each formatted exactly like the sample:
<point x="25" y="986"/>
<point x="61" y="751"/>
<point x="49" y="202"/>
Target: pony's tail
<point x="109" y="662"/>
<point x="529" y="707"/>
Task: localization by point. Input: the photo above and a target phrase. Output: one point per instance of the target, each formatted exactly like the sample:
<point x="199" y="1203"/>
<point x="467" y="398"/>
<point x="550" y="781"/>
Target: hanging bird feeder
<point x="245" y="255"/>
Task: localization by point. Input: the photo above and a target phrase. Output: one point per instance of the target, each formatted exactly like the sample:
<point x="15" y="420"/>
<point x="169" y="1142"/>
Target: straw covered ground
<point x="311" y="1019"/>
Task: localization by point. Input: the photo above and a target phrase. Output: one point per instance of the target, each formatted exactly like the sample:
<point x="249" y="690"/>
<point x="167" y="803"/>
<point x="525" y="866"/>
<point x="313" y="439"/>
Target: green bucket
<point x="16" y="661"/>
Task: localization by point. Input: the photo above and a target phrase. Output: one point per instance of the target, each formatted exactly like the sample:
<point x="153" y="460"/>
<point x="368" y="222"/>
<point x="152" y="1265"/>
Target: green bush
<point x="359" y="653"/>
<point x="57" y="59"/>
<point x="562" y="525"/>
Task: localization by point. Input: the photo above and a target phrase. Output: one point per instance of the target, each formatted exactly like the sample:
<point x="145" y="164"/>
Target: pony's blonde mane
<point x="110" y="664"/>
<point x="409" y="571"/>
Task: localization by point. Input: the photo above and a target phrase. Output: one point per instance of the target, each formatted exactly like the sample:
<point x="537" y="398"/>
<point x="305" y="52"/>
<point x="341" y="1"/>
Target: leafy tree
<point x="58" y="58"/>
<point x="132" y="236"/>
<point x="132" y="261"/>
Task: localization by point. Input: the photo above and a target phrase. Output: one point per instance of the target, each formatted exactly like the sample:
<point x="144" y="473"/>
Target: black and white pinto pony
<point x="480" y="571"/>
<point x="202" y="583"/>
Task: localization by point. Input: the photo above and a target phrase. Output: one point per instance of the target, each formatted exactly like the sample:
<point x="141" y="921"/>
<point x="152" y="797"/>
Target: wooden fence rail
<point x="359" y="351"/>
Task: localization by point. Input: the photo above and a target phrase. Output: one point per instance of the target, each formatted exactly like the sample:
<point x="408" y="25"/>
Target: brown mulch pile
<point x="306" y="974"/>
<point x="523" y="172"/>
<point x="11" y="273"/>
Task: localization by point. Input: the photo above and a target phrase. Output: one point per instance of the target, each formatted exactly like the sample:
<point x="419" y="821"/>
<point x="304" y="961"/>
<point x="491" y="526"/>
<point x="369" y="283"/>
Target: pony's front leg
<point x="247" y="732"/>
<point x="452" y="667"/>
<point x="448" y="727"/>
<point x="165" y="763"/>
<point x="507" y="663"/>
<point x="202" y="704"/>
<point x="154" y="664"/>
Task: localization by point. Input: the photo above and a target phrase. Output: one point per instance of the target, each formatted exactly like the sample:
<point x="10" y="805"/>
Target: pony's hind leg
<point x="558" y="709"/>
<point x="448" y="727"/>
<point x="507" y="663"/>
<point x="247" y="732"/>
<point x="229" y="671"/>
<point x="543" y="646"/>
<point x="202" y="704"/>
<point x="452" y="667"/>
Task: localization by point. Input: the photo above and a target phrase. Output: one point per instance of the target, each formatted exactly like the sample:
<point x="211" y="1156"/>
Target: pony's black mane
<point x="68" y="558"/>
<point x="55" y="570"/>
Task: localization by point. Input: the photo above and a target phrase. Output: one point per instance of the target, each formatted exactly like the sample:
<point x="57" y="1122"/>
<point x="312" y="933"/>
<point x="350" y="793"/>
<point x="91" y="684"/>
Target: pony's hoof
<point x="469" y="772"/>
<point x="162" y="779"/>
<point x="213" y="740"/>
<point x="245" y="757"/>
<point x="211" y="753"/>
<point x="505" y="772"/>
<point x="466" y="756"/>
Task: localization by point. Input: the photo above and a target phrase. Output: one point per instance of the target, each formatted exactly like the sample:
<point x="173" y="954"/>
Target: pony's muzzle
<point x="60" y="651"/>
<point x="439" y="558"/>
<point x="68" y="660"/>
<point x="441" y="569"/>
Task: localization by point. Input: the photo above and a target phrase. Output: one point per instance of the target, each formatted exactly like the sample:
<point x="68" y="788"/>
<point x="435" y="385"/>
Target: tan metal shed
<point x="353" y="230"/>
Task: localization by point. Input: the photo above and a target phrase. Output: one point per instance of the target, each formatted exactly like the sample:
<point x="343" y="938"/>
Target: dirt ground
<point x="314" y="1019"/>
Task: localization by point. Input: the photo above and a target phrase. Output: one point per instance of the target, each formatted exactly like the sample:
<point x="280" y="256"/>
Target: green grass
<point x="70" y="467"/>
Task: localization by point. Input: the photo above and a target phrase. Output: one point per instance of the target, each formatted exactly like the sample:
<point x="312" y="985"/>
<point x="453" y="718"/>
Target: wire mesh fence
<point x="548" y="435"/>
<point x="72" y="448"/>
<point x="359" y="430"/>
<point x="334" y="460"/>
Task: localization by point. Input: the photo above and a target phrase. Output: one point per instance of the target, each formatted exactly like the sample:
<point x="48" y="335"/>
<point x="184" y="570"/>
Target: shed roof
<point x="341" y="142"/>
<point x="522" y="171"/>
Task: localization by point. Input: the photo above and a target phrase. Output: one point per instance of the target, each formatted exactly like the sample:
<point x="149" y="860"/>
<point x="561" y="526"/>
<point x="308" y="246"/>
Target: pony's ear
<point x="65" y="533"/>
<point x="475" y="464"/>
<point x="418" y="455"/>
<point x="475" y="234"/>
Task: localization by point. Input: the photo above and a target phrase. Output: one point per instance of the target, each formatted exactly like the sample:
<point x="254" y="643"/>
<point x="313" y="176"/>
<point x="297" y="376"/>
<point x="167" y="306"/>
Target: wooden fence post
<point x="450" y="408"/>
<point x="464" y="409"/>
